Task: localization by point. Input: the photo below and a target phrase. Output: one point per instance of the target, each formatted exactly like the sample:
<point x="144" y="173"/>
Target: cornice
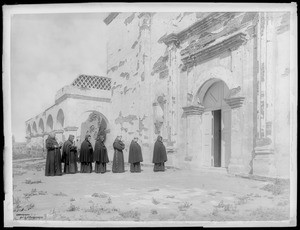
<point x="202" y="55"/>
<point x="199" y="27"/>
<point x="71" y="128"/>
<point x="83" y="97"/>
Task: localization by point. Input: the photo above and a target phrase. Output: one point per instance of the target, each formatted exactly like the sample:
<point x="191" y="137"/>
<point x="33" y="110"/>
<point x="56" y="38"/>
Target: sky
<point x="48" y="51"/>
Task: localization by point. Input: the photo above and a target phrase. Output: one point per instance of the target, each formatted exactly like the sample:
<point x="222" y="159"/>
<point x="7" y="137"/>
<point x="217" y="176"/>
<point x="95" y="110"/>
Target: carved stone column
<point x="173" y="88"/>
<point x="264" y="154"/>
<point x="193" y="116"/>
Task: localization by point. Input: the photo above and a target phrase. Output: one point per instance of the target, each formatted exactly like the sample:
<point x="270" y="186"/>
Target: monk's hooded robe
<point x="159" y="156"/>
<point x="86" y="156"/>
<point x="100" y="157"/>
<point x="118" y="161"/>
<point x="135" y="157"/>
<point x="53" y="160"/>
<point x="69" y="157"/>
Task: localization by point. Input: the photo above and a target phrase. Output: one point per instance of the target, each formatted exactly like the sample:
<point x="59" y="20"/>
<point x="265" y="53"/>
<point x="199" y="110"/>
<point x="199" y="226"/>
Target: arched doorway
<point x="216" y="123"/>
<point x="34" y="128"/>
<point x="93" y="123"/>
<point x="49" y="124"/>
<point x="28" y="131"/>
<point x="60" y="120"/>
<point x="41" y="126"/>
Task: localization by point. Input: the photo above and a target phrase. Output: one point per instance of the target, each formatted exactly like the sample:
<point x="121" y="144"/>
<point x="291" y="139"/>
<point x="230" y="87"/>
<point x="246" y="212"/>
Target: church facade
<point x="215" y="86"/>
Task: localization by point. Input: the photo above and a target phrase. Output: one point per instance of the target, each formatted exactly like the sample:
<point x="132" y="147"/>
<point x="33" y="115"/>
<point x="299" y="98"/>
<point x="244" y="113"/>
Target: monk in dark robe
<point x="118" y="161"/>
<point x="135" y="156"/>
<point x="86" y="155"/>
<point x="53" y="161"/>
<point x="69" y="156"/>
<point x="100" y="156"/>
<point x="159" y="155"/>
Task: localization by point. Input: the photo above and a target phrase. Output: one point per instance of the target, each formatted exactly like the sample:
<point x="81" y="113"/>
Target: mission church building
<point x="215" y="85"/>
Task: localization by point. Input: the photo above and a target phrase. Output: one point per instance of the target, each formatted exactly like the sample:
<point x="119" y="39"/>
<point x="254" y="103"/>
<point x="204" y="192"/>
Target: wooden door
<point x="207" y="138"/>
<point x="226" y="136"/>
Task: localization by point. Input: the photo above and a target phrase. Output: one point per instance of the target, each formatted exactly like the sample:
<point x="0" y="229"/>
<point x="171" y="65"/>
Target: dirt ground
<point x="173" y="195"/>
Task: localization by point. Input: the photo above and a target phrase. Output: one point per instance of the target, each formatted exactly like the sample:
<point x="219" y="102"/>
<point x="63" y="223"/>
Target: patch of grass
<point x="72" y="208"/>
<point x="270" y="214"/>
<point x="154" y="201"/>
<point x="28" y="181"/>
<point x="278" y="187"/>
<point x="101" y="195"/>
<point x="72" y="199"/>
<point x="283" y="203"/>
<point x="60" y="194"/>
<point x="241" y="200"/>
<point x="131" y="214"/>
<point x="99" y="209"/>
<point x="226" y="207"/>
<point x="215" y="212"/>
<point x="211" y="194"/>
<point x="39" y="166"/>
<point x="153" y="190"/>
<point x="108" y="201"/>
<point x="183" y="207"/>
<point x="18" y="207"/>
<point x="170" y="196"/>
<point x="18" y="173"/>
<point x="34" y="192"/>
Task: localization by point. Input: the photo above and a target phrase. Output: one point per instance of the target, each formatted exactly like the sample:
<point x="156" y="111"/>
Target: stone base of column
<point x="264" y="162"/>
<point x="237" y="167"/>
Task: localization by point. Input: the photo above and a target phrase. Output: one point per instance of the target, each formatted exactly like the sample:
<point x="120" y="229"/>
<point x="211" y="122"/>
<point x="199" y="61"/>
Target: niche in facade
<point x="158" y="111"/>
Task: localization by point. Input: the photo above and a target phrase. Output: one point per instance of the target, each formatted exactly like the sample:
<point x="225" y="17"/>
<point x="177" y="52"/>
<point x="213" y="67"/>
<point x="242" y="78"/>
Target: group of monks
<point x="89" y="155"/>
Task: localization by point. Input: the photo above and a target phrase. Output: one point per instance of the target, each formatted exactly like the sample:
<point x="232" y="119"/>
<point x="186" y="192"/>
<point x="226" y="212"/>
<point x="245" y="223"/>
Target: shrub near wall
<point x="21" y="151"/>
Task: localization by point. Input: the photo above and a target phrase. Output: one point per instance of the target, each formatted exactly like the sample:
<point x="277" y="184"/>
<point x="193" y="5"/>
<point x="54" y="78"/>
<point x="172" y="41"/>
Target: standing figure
<point x="118" y="161"/>
<point x="86" y="155"/>
<point x="53" y="161"/>
<point x="159" y="155"/>
<point x="100" y="156"/>
<point x="69" y="155"/>
<point x="135" y="156"/>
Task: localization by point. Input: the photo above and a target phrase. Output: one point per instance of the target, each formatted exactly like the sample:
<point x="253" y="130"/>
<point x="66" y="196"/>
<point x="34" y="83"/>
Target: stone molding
<point x="59" y="131"/>
<point x="199" y="27"/>
<point x="198" y="57"/>
<point x="265" y="150"/>
<point x="78" y="96"/>
<point x="235" y="102"/>
<point x="71" y="128"/>
<point x="193" y="110"/>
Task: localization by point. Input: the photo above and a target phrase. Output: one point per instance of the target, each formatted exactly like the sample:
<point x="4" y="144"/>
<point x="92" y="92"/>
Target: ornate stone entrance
<point x="213" y="125"/>
<point x="93" y="123"/>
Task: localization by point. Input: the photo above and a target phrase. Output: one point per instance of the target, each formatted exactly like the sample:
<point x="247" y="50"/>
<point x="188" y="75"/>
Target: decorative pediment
<point x="200" y="27"/>
<point x="202" y="55"/>
<point x="193" y="110"/>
